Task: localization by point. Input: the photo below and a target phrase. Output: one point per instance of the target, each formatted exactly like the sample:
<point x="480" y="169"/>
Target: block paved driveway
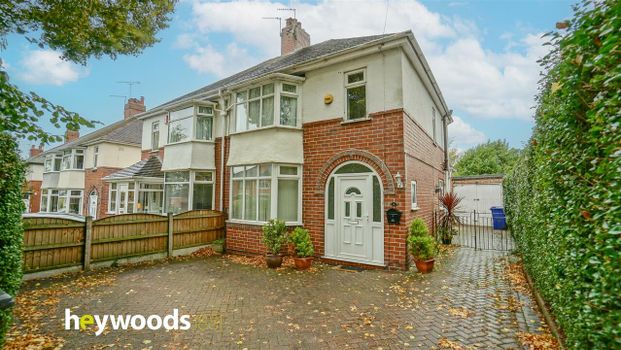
<point x="468" y="301"/>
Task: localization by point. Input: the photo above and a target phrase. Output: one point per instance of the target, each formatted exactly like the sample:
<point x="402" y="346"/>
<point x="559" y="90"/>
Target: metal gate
<point x="476" y="230"/>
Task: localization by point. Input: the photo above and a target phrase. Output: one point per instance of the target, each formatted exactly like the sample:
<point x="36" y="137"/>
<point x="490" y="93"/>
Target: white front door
<point x="122" y="199"/>
<point x="92" y="205"/>
<point x="354" y="234"/>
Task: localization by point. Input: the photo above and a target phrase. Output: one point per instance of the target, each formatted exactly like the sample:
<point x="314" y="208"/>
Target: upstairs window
<point x="266" y="105"/>
<point x="73" y="159"/>
<point x="356" y="94"/>
<point x="53" y="162"/>
<point x="155" y="135"/>
<point x="95" y="156"/>
<point x="194" y="122"/>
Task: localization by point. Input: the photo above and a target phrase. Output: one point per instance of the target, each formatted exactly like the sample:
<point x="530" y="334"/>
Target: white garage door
<point x="479" y="197"/>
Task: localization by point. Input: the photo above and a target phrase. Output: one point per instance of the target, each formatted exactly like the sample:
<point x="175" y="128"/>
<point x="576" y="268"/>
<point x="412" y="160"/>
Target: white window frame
<point x="47" y="193"/>
<point x="277" y="94"/>
<point x="433" y="125"/>
<point x="348" y="85"/>
<point x="51" y="160"/>
<point x="193" y="128"/>
<point x="414" y="196"/>
<point x="190" y="182"/>
<point x="155" y="139"/>
<point x="95" y="156"/>
<point x="140" y="189"/>
<point x="274" y="177"/>
<point x="71" y="157"/>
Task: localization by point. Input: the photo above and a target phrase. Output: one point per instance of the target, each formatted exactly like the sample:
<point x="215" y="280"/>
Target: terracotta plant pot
<point x="303" y="263"/>
<point x="424" y="266"/>
<point x="273" y="261"/>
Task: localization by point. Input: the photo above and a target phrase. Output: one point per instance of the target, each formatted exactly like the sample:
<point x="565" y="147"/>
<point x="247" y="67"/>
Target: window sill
<point x="415" y="209"/>
<point x="259" y="223"/>
<point x="186" y="141"/>
<point x="359" y="120"/>
<point x="266" y="128"/>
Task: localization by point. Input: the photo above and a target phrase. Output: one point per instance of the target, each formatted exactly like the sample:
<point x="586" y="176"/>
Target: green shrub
<point x="11" y="231"/>
<point x="418" y="227"/>
<point x="274" y="235"/>
<point x="422" y="247"/>
<point x="302" y="242"/>
<point x="563" y="197"/>
<point x="219" y="241"/>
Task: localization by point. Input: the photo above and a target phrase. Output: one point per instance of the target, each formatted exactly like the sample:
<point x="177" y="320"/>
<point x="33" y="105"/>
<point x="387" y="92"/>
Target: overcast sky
<point x="483" y="54"/>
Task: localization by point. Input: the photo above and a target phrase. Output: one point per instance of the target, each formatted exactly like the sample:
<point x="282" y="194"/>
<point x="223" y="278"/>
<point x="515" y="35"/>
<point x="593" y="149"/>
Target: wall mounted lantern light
<point x="398" y="180"/>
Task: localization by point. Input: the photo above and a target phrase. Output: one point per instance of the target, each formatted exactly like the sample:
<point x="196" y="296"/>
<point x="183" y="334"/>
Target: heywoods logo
<point x="124" y="322"/>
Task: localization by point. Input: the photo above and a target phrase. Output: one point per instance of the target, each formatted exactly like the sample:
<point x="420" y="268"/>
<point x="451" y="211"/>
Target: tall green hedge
<point x="11" y="208"/>
<point x="563" y="197"/>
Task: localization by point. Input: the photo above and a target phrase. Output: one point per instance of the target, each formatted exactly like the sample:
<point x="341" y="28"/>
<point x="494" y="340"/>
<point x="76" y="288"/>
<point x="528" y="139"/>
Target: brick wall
<point x="377" y="142"/>
<point x="146" y="154"/>
<point x="93" y="180"/>
<point x="34" y="187"/>
<point x="424" y="164"/>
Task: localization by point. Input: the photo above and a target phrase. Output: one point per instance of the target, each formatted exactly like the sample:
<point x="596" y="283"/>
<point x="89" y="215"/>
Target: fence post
<point x="170" y="234"/>
<point x="88" y="233"/>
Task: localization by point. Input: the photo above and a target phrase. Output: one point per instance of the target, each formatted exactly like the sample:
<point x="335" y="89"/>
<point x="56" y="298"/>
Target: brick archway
<point x="355" y="155"/>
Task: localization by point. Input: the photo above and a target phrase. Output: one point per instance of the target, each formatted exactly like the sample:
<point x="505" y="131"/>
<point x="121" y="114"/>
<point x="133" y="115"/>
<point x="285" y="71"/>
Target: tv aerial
<point x="130" y="85"/>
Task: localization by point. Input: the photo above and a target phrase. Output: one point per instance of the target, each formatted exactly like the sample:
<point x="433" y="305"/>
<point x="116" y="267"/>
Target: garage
<point x="479" y="192"/>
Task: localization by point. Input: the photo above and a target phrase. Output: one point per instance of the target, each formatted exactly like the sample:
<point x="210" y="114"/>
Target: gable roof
<point x="280" y="63"/>
<point x="151" y="167"/>
<point x="127" y="131"/>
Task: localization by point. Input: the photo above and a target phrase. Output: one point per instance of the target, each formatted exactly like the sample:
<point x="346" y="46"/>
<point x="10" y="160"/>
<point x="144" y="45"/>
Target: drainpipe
<point x="222" y="113"/>
<point x="447" y="176"/>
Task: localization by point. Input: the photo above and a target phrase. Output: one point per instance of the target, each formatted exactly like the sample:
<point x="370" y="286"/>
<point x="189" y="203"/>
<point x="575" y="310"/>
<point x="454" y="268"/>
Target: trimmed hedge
<point x="11" y="232"/>
<point x="563" y="197"/>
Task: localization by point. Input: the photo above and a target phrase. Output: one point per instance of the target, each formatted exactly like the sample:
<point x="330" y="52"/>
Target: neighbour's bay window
<point x="265" y="191"/>
<point x="61" y="201"/>
<point x="267" y="105"/>
<point x="53" y="162"/>
<point x="135" y="197"/>
<point x="73" y="159"/>
<point x="188" y="190"/>
<point x="356" y="94"/>
<point x="191" y="123"/>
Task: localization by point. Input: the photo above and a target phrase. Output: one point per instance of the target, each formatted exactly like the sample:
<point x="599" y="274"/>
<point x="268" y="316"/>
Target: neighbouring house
<point x="71" y="174"/>
<point x="479" y="192"/>
<point x="330" y="136"/>
<point x="34" y="178"/>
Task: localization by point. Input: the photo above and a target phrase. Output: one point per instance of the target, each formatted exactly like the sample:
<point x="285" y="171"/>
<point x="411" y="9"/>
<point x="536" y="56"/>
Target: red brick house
<point x="68" y="178"/>
<point x="327" y="136"/>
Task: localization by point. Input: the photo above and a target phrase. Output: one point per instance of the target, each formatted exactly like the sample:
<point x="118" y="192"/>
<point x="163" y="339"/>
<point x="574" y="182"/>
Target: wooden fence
<point x="53" y="243"/>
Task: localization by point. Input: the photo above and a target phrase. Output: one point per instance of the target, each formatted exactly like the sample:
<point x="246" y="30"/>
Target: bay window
<point x="194" y="122"/>
<point x="264" y="191"/>
<point x="185" y="190"/>
<point x="73" y="159"/>
<point x="61" y="201"/>
<point x="53" y="162"/>
<point x="150" y="198"/>
<point x="356" y="94"/>
<point x="257" y="107"/>
<point x="135" y="197"/>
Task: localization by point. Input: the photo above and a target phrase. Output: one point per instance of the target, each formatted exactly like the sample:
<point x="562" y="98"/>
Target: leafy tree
<point x="79" y="30"/>
<point x="492" y="157"/>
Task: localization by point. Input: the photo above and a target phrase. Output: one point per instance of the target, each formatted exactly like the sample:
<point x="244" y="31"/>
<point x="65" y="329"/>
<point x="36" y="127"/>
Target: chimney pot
<point x="293" y="37"/>
<point x="34" y="151"/>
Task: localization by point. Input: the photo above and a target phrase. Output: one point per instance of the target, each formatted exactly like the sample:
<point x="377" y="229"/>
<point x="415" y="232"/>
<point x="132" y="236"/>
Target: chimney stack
<point x="71" y="135"/>
<point x="134" y="106"/>
<point x="293" y="37"/>
<point x="35" y="151"/>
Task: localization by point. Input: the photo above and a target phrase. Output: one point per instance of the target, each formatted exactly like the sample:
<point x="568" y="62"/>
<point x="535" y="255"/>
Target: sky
<point x="482" y="53"/>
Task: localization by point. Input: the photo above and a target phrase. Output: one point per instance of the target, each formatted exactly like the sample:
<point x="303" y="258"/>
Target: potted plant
<point x="304" y="250"/>
<point x="218" y="245"/>
<point x="448" y="216"/>
<point x="423" y="249"/>
<point x="274" y="236"/>
<point x="422" y="246"/>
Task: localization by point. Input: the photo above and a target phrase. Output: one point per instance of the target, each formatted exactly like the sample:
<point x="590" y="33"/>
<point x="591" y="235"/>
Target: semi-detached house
<point x="328" y="136"/>
<point x="68" y="179"/>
